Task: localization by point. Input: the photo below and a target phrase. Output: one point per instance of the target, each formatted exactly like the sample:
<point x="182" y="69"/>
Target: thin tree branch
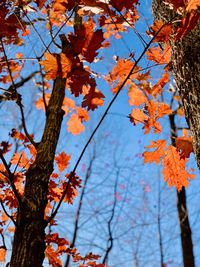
<point x="10" y="178"/>
<point x="100" y="122"/>
<point x="7" y="214"/>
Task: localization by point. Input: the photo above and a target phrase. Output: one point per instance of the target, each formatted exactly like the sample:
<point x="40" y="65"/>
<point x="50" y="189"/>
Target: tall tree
<point x="186" y="59"/>
<point x="70" y="34"/>
<point x="186" y="69"/>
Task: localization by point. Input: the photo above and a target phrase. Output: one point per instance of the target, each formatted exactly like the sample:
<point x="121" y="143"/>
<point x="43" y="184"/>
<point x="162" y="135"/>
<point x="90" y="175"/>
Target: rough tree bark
<point x="29" y="239"/>
<point x="186" y="70"/>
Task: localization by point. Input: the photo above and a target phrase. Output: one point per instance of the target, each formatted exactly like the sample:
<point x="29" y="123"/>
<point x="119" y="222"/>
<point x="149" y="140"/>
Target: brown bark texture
<point x="186" y="70"/>
<point x="29" y="239"/>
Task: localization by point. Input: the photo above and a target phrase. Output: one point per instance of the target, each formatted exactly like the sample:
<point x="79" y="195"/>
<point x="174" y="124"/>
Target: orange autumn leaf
<point x="11" y="229"/>
<point x="180" y="112"/>
<point x="184" y="145"/>
<point x="157" y="154"/>
<point x="192" y="5"/>
<point x="62" y="161"/>
<point x="40" y="102"/>
<point x="187" y="24"/>
<point x="82" y="114"/>
<point x="56" y="65"/>
<point x="74" y="125"/>
<point x="18" y="135"/>
<point x="32" y="150"/>
<point x="53" y="257"/>
<point x="158" y="55"/>
<point x="137" y="115"/>
<point x="174" y="169"/>
<point x="163" y="109"/>
<point x="121" y="69"/>
<point x="120" y="72"/>
<point x="161" y="31"/>
<point x="157" y="88"/>
<point x="155" y="110"/>
<point x="2" y="254"/>
<point x="68" y="104"/>
<point x="136" y="97"/>
<point x="4" y="217"/>
<point x="20" y="159"/>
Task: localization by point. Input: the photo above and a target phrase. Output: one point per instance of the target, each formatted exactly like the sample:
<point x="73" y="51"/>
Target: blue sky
<point x="139" y="189"/>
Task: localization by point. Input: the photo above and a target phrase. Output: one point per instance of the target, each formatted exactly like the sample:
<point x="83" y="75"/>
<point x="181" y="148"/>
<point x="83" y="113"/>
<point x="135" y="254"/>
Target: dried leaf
<point x="184" y="145"/>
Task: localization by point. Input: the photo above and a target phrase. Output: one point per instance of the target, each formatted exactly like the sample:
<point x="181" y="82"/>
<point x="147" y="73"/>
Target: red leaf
<point x="120" y="4"/>
<point x="93" y="99"/>
<point x="184" y="145"/>
<point x="40" y="3"/>
<point x="86" y="41"/>
<point x="62" y="161"/>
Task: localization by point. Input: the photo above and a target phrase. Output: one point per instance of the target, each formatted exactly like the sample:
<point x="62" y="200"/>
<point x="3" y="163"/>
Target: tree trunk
<point x="185" y="229"/>
<point x="29" y="239"/>
<point x="186" y="70"/>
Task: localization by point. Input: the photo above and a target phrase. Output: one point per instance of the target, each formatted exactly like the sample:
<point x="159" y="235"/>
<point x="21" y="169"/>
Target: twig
<point x="10" y="178"/>
<point x="7" y="214"/>
<point x="100" y="122"/>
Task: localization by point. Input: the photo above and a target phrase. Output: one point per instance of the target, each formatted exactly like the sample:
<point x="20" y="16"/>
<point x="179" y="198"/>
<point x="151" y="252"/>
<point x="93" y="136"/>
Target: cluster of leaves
<point x="93" y="25"/>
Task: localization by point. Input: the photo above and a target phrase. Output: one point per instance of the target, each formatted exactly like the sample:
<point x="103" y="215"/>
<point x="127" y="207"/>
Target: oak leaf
<point x="56" y="65"/>
<point x="174" y="169"/>
<point x="20" y="159"/>
<point x="74" y="125"/>
<point x="120" y="4"/>
<point x="158" y="55"/>
<point x="93" y="99"/>
<point x="184" y="145"/>
<point x="157" y="154"/>
<point x="192" y="5"/>
<point x="52" y="257"/>
<point x="62" y="161"/>
<point x="86" y="41"/>
<point x="2" y="254"/>
<point x="71" y="185"/>
<point x="161" y="31"/>
<point x="136" y="96"/>
<point x="137" y="115"/>
<point x="157" y="88"/>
